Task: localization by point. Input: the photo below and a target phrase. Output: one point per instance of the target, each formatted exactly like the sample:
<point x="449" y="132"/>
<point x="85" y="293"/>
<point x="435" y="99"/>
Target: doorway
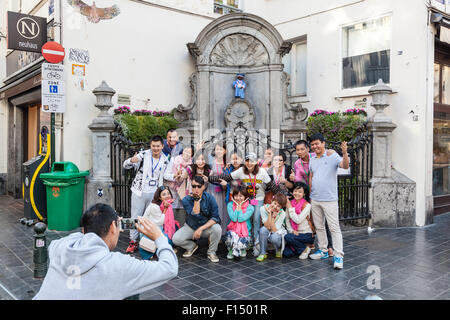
<point x="441" y="129"/>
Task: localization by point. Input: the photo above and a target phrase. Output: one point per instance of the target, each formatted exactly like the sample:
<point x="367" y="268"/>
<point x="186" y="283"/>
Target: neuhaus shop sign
<point x="25" y="32"/>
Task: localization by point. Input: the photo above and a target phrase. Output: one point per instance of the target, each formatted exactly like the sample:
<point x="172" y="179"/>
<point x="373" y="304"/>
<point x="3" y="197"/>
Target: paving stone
<point x="414" y="264"/>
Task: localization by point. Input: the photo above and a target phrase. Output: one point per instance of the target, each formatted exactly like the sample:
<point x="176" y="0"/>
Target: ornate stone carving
<point x="294" y="112"/>
<point x="239" y="50"/>
<point x="239" y="110"/>
<point x="183" y="113"/>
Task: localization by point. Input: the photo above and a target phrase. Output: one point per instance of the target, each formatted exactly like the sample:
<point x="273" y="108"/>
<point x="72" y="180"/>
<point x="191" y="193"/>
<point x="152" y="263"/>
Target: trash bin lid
<point x="64" y="170"/>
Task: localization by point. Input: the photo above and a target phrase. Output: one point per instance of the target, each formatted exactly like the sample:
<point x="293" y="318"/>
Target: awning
<point x="443" y="22"/>
<point x="444" y="35"/>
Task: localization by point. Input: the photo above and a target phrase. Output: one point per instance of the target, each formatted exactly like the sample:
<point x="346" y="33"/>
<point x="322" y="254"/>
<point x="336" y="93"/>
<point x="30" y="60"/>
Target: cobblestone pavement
<point x="414" y="263"/>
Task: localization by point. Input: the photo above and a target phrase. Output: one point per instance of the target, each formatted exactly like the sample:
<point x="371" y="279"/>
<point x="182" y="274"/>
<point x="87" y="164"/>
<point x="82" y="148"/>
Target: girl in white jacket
<point x="160" y="212"/>
<point x="299" y="227"/>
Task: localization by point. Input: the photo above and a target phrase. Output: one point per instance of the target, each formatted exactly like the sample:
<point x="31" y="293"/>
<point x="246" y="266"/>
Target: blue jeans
<point x="257" y="221"/>
<point x="265" y="235"/>
<point x="294" y="245"/>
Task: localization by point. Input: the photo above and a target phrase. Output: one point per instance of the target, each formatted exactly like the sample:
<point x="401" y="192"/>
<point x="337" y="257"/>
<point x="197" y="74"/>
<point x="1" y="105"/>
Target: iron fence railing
<point x="353" y="186"/>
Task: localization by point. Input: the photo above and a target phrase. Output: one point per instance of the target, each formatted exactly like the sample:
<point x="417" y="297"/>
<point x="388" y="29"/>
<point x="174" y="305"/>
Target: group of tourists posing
<point x="246" y="203"/>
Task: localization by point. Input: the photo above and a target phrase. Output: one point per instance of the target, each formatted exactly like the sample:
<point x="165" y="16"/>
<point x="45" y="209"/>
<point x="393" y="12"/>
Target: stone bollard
<point x="99" y="187"/>
<point x="40" y="255"/>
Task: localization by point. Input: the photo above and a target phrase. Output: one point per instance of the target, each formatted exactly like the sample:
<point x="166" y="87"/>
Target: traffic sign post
<point x="52" y="138"/>
<point x="52" y="71"/>
<point x="53" y="96"/>
<point x="53" y="52"/>
<point x="52" y="87"/>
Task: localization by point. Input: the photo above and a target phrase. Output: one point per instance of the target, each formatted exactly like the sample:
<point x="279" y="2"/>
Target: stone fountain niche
<point x="232" y="44"/>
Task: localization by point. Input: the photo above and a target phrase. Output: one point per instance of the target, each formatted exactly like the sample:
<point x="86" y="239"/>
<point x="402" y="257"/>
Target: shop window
<point x="295" y="65"/>
<point x="441" y="130"/>
<point x="366" y="53"/>
<point x="227" y="6"/>
<point x="436" y="83"/>
<point x="445" y="84"/>
<point x="441" y="152"/>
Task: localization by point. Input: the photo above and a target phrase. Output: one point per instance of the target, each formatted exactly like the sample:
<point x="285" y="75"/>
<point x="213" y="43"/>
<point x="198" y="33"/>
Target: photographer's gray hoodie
<point x="83" y="268"/>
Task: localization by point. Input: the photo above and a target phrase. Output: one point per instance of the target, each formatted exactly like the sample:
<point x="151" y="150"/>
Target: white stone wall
<point x="142" y="52"/>
<point x="411" y="72"/>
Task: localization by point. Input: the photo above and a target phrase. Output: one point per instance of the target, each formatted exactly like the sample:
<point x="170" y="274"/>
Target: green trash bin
<point x="65" y="196"/>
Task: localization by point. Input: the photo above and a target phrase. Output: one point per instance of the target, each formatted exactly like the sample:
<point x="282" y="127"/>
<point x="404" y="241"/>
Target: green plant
<point x="140" y="128"/>
<point x="336" y="126"/>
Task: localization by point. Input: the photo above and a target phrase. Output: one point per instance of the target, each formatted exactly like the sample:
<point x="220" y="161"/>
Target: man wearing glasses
<point x="202" y="220"/>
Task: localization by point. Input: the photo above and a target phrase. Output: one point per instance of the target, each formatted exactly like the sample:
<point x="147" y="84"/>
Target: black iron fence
<point x="122" y="149"/>
<point x="353" y="185"/>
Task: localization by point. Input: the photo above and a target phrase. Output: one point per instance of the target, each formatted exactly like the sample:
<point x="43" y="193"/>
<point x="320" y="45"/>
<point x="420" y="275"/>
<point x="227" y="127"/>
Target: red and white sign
<point x="53" y="52"/>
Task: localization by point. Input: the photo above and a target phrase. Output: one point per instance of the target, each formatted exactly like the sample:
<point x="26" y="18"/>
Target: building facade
<point x="340" y="49"/>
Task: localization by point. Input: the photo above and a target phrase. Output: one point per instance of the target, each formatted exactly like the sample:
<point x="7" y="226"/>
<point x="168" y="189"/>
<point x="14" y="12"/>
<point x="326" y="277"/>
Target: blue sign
<point x="53" y="89"/>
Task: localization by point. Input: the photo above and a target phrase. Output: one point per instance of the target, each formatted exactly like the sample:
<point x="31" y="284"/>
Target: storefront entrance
<point x="441" y="129"/>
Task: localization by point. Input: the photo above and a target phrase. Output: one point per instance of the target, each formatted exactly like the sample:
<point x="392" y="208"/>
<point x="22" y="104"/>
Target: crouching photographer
<point x="83" y="266"/>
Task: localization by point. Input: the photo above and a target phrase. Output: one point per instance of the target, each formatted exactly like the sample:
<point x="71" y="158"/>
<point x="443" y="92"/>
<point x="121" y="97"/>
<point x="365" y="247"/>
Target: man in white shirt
<point x="150" y="166"/>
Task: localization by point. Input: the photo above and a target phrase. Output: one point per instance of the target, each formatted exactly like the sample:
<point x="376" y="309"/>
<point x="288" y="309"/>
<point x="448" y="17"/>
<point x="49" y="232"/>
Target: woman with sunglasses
<point x="202" y="220"/>
<point x="160" y="212"/>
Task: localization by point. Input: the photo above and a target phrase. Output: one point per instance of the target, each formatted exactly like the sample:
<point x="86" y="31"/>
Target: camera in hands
<point x="128" y="223"/>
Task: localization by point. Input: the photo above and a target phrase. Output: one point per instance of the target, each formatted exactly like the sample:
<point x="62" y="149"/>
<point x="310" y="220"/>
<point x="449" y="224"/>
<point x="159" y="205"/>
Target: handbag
<point x="147" y="244"/>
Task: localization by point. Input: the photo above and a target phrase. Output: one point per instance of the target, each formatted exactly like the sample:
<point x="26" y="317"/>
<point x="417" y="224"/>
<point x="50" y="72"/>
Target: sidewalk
<point x="414" y="264"/>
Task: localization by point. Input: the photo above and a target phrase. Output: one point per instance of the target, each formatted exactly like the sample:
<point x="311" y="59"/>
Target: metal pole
<point x="52" y="138"/>
<point x="40" y="256"/>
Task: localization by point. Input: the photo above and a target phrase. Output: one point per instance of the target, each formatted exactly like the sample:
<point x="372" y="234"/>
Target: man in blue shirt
<point x="324" y="197"/>
<point x="202" y="220"/>
<point x="171" y="146"/>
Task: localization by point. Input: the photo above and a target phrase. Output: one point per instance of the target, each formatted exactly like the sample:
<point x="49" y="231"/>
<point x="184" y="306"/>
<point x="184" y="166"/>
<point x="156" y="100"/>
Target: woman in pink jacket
<point x="240" y="211"/>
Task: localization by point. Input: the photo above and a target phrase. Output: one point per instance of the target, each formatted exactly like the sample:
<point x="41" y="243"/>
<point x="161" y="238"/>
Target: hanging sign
<point x="26" y="32"/>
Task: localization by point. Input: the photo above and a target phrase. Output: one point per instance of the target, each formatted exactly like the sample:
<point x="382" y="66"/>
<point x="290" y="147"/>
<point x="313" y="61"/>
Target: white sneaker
<point x="319" y="254"/>
<point x="189" y="253"/>
<point x="338" y="263"/>
<point x="213" y="257"/>
<point x="305" y="253"/>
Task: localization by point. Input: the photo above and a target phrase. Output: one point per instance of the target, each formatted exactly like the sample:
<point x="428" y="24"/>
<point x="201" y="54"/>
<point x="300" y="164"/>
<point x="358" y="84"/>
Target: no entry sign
<point x="53" y="52"/>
